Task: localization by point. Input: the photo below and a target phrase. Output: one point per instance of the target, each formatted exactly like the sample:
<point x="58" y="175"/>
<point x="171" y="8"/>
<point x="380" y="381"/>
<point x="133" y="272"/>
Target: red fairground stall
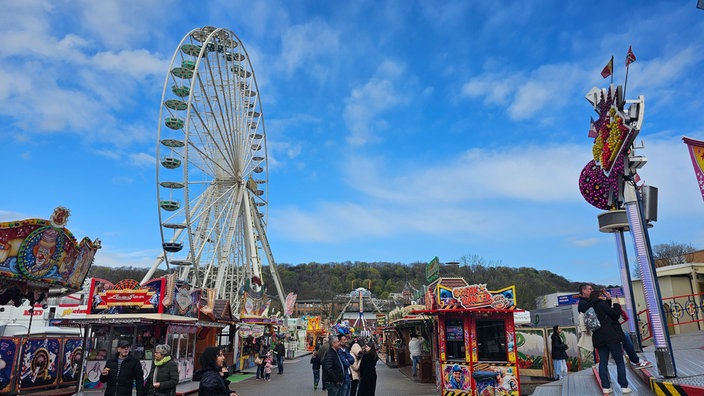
<point x="475" y="338"/>
<point x="160" y="311"/>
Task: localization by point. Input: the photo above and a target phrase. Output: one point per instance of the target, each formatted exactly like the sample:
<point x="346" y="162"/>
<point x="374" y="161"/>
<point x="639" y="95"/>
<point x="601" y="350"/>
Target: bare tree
<point x="672" y="253"/>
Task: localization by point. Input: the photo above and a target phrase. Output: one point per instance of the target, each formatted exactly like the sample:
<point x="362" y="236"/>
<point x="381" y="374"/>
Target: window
<point x="491" y="340"/>
<point x="454" y="337"/>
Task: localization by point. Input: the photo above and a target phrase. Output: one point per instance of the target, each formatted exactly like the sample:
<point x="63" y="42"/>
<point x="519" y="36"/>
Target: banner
<point x="696" y="151"/>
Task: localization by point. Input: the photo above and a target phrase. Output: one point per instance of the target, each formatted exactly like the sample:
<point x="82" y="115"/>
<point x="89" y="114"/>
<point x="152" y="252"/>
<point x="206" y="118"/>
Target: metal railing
<point x="678" y="311"/>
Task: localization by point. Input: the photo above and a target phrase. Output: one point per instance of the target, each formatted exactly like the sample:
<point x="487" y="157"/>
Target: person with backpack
<point x="607" y="340"/>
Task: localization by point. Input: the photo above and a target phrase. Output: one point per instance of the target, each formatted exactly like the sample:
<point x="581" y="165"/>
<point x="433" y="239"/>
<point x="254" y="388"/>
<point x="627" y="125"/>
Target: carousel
<point x="40" y="259"/>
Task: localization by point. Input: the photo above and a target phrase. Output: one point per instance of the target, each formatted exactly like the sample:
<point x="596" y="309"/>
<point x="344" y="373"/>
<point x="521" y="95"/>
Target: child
<point x="267" y="368"/>
<point x="315" y="361"/>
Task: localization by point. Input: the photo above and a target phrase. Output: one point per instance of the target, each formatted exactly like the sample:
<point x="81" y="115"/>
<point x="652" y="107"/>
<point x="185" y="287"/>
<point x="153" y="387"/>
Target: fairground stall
<point x="314" y="333"/>
<point x="40" y="258"/>
<point x="474" y="348"/>
<point x="403" y="323"/>
<point x="255" y="328"/>
<point x="160" y="311"/>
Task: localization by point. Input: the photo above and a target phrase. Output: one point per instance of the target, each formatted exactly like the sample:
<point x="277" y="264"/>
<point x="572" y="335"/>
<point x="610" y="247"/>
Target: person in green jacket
<point x="163" y="377"/>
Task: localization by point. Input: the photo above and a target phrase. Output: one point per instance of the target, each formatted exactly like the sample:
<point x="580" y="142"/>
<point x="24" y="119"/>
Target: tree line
<point x="324" y="281"/>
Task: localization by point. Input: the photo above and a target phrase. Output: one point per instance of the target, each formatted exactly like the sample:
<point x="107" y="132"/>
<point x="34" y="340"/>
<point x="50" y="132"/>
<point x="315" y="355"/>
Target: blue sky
<point x="396" y="131"/>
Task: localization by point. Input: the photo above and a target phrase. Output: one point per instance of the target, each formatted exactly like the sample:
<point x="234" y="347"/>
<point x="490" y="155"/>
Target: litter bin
<point x="426" y="370"/>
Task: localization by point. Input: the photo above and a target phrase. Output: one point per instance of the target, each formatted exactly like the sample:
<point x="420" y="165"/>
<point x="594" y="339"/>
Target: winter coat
<point x="367" y="373"/>
<point x="333" y="370"/>
<point x="212" y="383"/>
<point x="559" y="348"/>
<point x="315" y="361"/>
<point x="120" y="381"/>
<point x="166" y="376"/>
<point x="354" y="367"/>
<point x="607" y="333"/>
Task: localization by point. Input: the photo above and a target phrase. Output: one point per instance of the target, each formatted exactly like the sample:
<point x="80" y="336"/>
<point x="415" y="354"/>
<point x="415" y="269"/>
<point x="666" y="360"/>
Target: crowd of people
<point x="349" y="366"/>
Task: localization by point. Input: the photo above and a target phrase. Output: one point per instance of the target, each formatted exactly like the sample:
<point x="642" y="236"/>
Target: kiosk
<point x="475" y="338"/>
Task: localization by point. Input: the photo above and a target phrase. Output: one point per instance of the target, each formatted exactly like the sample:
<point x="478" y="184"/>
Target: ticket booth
<point x="475" y="336"/>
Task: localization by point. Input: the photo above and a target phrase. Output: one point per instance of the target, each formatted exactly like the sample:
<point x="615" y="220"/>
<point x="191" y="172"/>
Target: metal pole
<point x="663" y="348"/>
<point x="628" y="290"/>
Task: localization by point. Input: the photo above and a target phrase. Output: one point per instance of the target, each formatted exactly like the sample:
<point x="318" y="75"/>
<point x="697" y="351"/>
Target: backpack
<point x="591" y="321"/>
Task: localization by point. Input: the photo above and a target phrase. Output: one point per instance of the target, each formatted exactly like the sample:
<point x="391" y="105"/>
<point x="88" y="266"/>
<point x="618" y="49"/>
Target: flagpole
<point x="625" y="82"/>
<point x="612" y="69"/>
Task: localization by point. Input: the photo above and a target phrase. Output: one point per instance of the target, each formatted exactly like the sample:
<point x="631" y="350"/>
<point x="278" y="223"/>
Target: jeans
<point x="616" y="353"/>
<point x="316" y="377"/>
<point x="629" y="348"/>
<point x="280" y="363"/>
<point x="416" y="362"/>
<point x="560" y="368"/>
<point x="260" y="371"/>
<point x="334" y="389"/>
<point x="346" y="387"/>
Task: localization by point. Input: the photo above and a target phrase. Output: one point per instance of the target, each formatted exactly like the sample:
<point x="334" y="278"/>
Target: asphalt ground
<point x="297" y="379"/>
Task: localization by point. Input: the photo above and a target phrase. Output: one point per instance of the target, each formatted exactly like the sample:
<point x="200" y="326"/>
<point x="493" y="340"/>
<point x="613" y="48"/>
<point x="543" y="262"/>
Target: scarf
<point x="163" y="361"/>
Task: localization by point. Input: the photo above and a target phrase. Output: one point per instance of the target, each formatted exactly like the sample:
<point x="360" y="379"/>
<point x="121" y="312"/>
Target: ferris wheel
<point x="212" y="167"/>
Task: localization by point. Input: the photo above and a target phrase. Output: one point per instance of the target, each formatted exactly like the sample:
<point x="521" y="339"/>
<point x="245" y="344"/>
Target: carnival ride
<point x="359" y="295"/>
<point x="212" y="170"/>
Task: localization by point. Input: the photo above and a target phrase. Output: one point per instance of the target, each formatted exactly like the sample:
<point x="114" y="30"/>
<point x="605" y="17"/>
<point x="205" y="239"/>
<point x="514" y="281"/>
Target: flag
<point x="696" y="151"/>
<point x="608" y="69"/>
<point x="630" y="57"/>
<point x="700" y="4"/>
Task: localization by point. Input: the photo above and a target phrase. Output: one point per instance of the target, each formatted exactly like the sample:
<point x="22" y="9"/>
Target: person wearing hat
<point x="163" y="377"/>
<point x="122" y="372"/>
<point x="456" y="380"/>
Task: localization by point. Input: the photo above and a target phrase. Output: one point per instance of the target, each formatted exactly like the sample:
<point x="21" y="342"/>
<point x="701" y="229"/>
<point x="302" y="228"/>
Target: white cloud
<point x="366" y="103"/>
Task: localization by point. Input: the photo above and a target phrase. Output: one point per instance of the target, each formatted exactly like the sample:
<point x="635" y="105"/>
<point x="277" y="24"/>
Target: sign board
<point x="432" y="270"/>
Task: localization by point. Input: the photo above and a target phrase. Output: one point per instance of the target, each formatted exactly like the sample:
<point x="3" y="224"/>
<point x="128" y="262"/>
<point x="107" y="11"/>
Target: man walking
<point x="415" y="349"/>
<point x="122" y="372"/>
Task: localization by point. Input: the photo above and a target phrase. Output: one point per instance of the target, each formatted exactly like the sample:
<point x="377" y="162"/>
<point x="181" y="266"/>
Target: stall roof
<point x="477" y="310"/>
<point x="124" y="318"/>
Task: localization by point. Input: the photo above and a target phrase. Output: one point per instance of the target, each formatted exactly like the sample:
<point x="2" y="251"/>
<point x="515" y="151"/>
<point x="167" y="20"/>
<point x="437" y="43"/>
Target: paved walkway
<point x="297" y="379"/>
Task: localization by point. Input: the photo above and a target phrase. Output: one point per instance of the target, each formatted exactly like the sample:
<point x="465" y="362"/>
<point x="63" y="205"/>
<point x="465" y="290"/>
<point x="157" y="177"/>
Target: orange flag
<point x="696" y="151"/>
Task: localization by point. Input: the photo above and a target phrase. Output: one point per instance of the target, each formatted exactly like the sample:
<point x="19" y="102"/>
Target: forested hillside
<point x="324" y="281"/>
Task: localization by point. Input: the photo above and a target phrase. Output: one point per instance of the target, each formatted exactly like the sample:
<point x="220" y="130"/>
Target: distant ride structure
<point x="212" y="171"/>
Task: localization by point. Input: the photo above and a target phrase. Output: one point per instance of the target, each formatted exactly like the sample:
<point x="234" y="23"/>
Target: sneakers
<point x="643" y="364"/>
<point x="608" y="391"/>
<point x="625" y="390"/>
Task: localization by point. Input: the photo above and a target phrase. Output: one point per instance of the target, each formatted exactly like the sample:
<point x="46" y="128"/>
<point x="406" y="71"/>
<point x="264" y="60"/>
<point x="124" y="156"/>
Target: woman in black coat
<point x="607" y="340"/>
<point x="163" y="377"/>
<point x="367" y="371"/>
<point x="212" y="374"/>
<point x="558" y="353"/>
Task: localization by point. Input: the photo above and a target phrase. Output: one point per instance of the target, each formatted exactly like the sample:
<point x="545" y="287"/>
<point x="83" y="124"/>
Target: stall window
<point x="491" y="340"/>
<point x="99" y="344"/>
<point x="454" y="335"/>
<point x="181" y="339"/>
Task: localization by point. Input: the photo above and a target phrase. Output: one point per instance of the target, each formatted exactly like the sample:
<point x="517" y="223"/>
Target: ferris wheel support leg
<point x="151" y="271"/>
<point x="270" y="258"/>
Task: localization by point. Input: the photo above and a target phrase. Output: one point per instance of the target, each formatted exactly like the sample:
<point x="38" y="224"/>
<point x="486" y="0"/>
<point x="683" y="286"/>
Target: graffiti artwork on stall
<point x="39" y="363"/>
<point x="72" y="360"/>
<point x="256" y="305"/>
<point x="8" y="356"/>
<point x="495" y="379"/>
<point x="475" y="296"/>
<point x="36" y="254"/>
<point x="532" y="353"/>
<point x="457" y="377"/>
<point x="127" y="296"/>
